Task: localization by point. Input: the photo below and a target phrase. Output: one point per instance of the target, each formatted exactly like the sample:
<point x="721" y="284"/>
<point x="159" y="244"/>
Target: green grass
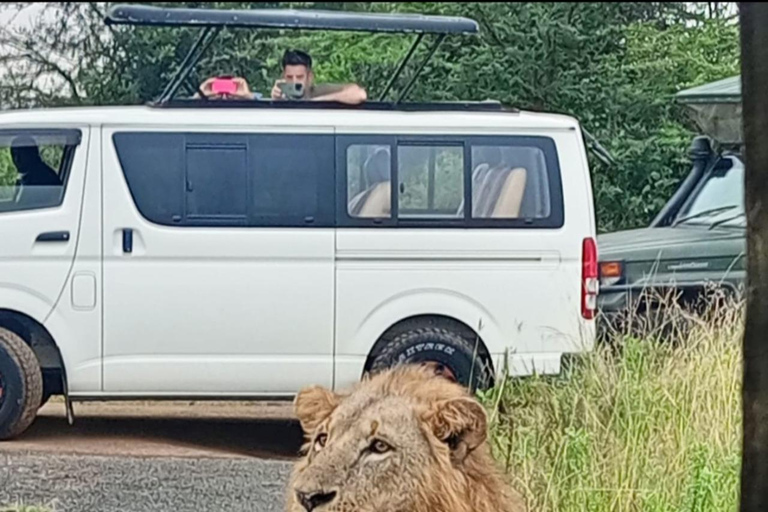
<point x="23" y="508"/>
<point x="648" y="427"/>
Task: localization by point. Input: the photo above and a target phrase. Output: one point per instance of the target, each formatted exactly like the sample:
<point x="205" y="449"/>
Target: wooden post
<point x="754" y="79"/>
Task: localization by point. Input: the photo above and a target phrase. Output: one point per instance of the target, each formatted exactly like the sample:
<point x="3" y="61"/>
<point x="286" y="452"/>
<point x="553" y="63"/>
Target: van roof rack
<point x="451" y="106"/>
<point x="212" y="21"/>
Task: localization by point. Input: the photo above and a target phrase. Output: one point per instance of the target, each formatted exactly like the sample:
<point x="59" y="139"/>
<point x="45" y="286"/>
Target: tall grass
<point x="644" y="423"/>
<point x="23" y="508"/>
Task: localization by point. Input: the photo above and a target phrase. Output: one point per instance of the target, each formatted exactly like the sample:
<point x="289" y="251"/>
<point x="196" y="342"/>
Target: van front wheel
<point x="448" y="352"/>
<point x="21" y="385"/>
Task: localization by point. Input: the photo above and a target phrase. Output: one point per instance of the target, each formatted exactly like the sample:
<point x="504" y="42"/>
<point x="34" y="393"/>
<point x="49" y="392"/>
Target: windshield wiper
<point x="704" y="213"/>
<point x="729" y="219"/>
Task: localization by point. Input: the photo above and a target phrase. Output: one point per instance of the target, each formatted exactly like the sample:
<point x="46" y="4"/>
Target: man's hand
<point x="277" y="94"/>
<point x="242" y="91"/>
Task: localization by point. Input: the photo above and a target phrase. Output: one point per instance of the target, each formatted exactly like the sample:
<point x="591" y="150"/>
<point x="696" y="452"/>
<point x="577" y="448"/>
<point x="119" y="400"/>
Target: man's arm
<point x="351" y="94"/>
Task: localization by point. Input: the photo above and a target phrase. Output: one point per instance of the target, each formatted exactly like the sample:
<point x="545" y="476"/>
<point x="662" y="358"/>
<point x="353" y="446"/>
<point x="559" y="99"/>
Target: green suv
<point x="698" y="240"/>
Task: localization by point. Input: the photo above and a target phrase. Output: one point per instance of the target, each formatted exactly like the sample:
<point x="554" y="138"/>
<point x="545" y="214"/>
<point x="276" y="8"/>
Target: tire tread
<point x="26" y="360"/>
<point x="387" y="355"/>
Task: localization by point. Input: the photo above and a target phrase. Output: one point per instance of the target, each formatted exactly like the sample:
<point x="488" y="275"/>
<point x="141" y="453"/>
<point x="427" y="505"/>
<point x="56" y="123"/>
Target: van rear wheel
<point x="448" y="352"/>
<point x="21" y="385"/>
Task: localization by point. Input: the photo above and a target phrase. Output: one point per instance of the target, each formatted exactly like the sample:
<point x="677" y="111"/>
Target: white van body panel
<point x="263" y="311"/>
<point x="36" y="276"/>
<point x="212" y="310"/>
<point x="507" y="285"/>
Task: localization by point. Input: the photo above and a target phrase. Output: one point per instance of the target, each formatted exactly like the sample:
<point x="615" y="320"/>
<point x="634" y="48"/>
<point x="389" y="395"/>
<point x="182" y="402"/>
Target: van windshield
<point x="719" y="200"/>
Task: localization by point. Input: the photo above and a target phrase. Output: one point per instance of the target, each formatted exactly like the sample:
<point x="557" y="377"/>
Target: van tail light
<point x="589" y="278"/>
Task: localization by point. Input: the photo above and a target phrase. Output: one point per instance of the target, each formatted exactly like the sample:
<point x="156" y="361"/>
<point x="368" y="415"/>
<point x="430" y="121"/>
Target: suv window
<point x="193" y="179"/>
<point x="34" y="167"/>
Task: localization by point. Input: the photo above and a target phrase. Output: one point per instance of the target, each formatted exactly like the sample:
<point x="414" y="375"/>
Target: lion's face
<point x="377" y="449"/>
<point x="360" y="460"/>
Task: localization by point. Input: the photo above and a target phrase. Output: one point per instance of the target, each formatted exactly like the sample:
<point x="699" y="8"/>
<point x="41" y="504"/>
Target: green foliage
<point x="614" y="66"/>
<point x="8" y="173"/>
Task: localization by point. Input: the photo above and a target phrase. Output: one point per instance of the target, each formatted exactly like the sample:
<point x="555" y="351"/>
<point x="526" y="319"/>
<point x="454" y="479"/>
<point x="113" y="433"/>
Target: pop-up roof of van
<point x="212" y="21"/>
<point x="289" y="18"/>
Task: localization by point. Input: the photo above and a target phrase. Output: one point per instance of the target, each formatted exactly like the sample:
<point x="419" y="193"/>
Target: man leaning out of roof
<point x="298" y="73"/>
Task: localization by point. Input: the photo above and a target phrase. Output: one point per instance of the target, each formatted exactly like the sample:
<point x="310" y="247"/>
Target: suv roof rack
<point x="212" y="21"/>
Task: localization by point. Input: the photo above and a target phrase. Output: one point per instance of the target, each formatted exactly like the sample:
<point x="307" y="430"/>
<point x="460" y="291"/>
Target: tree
<point x="614" y="66"/>
<point x="754" y="40"/>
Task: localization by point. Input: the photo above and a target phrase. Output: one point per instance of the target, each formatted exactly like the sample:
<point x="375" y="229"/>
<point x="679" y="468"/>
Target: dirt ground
<point x="164" y="429"/>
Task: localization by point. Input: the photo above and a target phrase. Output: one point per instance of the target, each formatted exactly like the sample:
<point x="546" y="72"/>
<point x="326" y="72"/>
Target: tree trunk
<point x="754" y="76"/>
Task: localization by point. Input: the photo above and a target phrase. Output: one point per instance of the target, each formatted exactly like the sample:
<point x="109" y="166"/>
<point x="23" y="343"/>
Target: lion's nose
<point x="312" y="500"/>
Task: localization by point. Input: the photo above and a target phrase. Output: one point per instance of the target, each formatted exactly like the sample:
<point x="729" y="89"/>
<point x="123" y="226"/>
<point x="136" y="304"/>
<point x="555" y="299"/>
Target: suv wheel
<point x="21" y="385"/>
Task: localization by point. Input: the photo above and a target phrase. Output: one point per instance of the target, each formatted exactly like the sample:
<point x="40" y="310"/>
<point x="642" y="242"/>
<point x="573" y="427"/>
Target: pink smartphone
<point x="224" y="86"/>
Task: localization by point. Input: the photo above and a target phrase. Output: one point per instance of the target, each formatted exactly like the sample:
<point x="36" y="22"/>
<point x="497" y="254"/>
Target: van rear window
<point x="509" y="181"/>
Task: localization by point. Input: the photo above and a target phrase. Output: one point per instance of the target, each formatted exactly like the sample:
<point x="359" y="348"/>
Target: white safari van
<point x="228" y="249"/>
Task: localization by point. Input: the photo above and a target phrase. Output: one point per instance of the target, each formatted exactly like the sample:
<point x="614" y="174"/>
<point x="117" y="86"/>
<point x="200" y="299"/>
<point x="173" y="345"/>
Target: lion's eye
<point x="320" y="441"/>
<point x="378" y="446"/>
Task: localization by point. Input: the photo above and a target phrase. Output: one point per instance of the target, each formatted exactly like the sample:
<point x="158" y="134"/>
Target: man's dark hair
<point x="297" y="58"/>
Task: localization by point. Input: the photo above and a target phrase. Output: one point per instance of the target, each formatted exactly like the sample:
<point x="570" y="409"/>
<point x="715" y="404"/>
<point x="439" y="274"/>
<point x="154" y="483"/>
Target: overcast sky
<point x="22" y="17"/>
<point x="13" y="18"/>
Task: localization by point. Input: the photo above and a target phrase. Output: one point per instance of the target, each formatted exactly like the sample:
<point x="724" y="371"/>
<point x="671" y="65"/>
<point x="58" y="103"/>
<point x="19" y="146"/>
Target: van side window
<point x="431" y="181"/>
<point x="369" y="181"/>
<point x="509" y="182"/>
<point x="217" y="181"/>
<point x="34" y="167"/>
<point x="199" y="179"/>
<point x="292" y="179"/>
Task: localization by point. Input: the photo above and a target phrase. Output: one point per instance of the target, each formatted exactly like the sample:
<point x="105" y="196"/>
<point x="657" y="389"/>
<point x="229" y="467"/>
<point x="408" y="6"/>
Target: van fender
<point x="30" y="303"/>
<point x="423" y="302"/>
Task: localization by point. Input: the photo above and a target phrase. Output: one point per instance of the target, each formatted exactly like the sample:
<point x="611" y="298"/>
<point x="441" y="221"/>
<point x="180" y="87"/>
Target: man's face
<point x="300" y="74"/>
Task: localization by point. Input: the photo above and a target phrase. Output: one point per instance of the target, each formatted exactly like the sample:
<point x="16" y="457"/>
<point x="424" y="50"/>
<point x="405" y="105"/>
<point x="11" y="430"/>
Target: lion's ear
<point x="313" y="405"/>
<point x="461" y="423"/>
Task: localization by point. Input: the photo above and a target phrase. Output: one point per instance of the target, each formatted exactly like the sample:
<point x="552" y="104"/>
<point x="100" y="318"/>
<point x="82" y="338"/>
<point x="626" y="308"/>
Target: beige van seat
<point x="511" y="196"/>
<point x="378" y="201"/>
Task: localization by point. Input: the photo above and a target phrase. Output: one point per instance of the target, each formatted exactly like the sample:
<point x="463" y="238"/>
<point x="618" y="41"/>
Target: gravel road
<point x="142" y="484"/>
<point x="154" y="457"/>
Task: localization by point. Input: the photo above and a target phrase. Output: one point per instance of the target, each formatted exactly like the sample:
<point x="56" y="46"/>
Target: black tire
<point x="22" y="385"/>
<point x="438" y="345"/>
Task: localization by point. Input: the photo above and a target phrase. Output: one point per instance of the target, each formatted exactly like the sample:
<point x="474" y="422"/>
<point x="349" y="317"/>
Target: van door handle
<point x="53" y="236"/>
<point x="127" y="240"/>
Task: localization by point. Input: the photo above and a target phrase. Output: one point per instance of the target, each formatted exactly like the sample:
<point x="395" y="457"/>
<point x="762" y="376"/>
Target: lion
<point x="402" y="440"/>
